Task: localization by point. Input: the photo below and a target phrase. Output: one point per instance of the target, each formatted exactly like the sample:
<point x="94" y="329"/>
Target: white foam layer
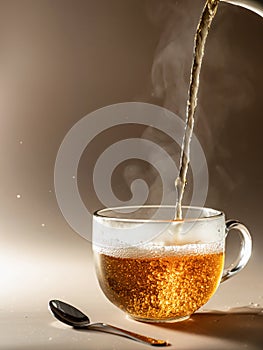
<point x="129" y="234"/>
<point x="151" y="250"/>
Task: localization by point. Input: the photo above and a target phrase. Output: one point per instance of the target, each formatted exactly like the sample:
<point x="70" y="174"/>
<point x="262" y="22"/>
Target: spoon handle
<point x="115" y="330"/>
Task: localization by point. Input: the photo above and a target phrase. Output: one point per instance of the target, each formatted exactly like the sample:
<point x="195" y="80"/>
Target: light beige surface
<point x="232" y="319"/>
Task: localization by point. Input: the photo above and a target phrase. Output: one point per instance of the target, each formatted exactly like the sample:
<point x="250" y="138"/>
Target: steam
<point x="173" y="58"/>
<point x="225" y="87"/>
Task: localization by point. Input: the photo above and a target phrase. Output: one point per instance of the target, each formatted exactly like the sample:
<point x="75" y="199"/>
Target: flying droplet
<point x="43" y="225"/>
<point x="73" y="177"/>
<point x="21" y="142"/>
<point x="18" y="196"/>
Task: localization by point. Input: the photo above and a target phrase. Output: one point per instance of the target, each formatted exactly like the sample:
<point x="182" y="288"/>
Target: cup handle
<point x="245" y="251"/>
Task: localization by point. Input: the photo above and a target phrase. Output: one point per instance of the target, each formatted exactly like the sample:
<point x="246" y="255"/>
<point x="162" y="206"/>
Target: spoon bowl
<point x="68" y="314"/>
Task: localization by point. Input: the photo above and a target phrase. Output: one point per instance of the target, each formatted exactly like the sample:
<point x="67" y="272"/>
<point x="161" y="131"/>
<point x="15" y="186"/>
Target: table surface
<point x="233" y="318"/>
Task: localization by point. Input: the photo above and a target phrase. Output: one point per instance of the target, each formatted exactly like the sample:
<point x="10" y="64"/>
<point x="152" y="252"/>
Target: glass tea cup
<point x="158" y="269"/>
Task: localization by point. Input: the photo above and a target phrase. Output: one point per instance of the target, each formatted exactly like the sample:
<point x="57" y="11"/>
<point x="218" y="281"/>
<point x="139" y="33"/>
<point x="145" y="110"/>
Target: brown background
<point x="61" y="60"/>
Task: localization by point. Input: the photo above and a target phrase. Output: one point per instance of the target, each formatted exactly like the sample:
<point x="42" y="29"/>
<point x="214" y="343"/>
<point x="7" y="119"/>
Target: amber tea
<point x="171" y="284"/>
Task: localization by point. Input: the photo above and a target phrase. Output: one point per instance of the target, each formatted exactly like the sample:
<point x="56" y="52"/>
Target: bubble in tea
<point x="161" y="283"/>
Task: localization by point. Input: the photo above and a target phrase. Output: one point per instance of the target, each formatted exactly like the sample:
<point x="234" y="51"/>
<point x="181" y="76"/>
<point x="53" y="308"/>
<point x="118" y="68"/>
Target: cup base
<point x="152" y="320"/>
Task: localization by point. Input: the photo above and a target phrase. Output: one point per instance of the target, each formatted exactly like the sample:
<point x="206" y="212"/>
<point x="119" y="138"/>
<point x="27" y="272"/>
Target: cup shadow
<point x="242" y="324"/>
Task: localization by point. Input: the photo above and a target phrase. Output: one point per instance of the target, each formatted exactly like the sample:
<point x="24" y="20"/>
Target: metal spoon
<point x="73" y="317"/>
